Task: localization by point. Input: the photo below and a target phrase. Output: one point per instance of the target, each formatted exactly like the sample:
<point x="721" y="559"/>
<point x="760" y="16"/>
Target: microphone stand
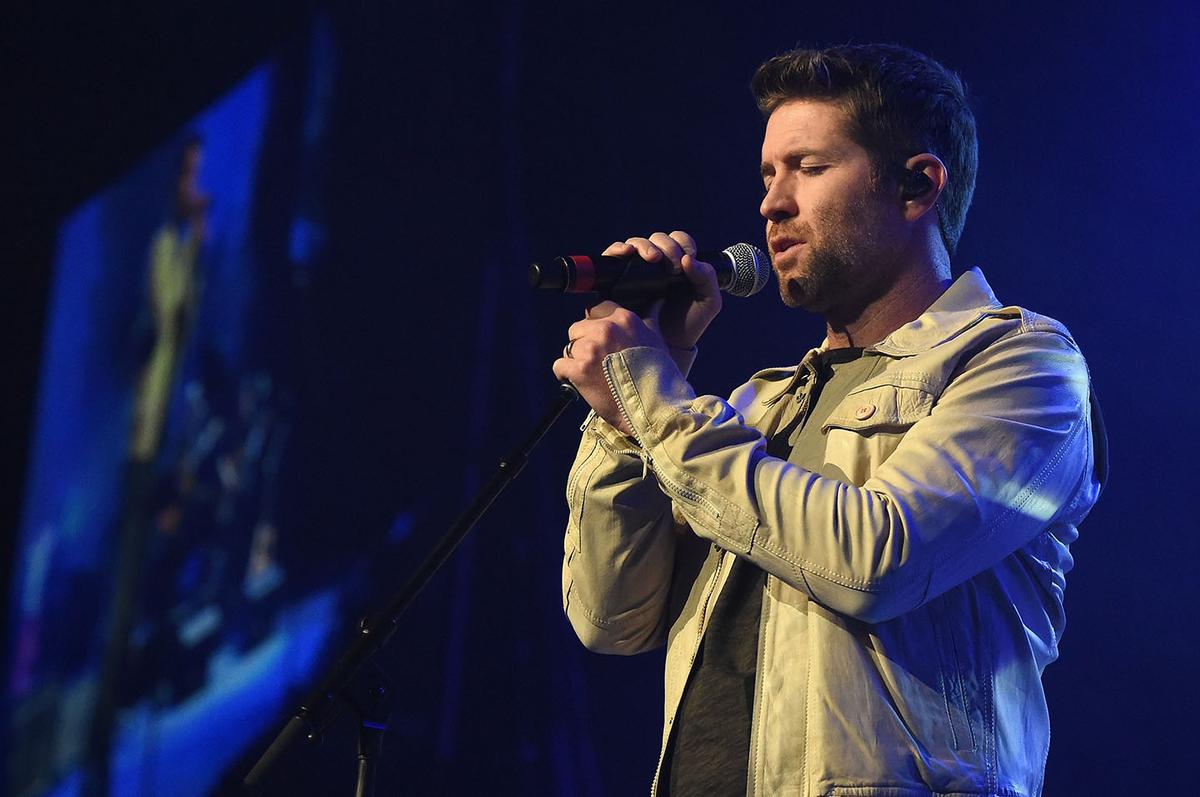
<point x="365" y="690"/>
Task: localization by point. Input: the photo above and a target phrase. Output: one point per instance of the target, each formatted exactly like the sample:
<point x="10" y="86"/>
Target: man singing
<point x="857" y="563"/>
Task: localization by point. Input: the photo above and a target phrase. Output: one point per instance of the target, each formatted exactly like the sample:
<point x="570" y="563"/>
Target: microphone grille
<point x="751" y="269"/>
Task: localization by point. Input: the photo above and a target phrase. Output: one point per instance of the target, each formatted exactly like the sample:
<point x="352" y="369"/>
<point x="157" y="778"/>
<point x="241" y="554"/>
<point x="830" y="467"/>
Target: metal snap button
<point x="864" y="412"/>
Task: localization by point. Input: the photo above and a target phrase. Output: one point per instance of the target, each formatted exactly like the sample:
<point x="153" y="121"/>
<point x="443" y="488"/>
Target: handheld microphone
<point x="742" y="270"/>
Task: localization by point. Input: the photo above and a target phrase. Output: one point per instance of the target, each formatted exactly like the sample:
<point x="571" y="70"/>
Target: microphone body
<point x="742" y="270"/>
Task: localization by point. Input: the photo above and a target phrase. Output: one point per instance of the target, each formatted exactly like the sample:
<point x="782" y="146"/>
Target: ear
<point x="923" y="181"/>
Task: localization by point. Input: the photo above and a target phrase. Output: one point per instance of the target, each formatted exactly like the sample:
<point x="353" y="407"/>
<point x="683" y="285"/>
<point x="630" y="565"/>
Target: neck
<point x="908" y="295"/>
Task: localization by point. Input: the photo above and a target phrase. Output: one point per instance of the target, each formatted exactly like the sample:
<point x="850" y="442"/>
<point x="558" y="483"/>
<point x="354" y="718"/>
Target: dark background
<point x="467" y="140"/>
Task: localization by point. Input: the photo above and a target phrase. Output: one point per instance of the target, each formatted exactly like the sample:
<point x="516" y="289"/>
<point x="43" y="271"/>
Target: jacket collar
<point x="968" y="299"/>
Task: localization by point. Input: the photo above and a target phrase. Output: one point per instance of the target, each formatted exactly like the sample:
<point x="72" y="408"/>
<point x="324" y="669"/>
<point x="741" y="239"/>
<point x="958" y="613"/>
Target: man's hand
<point x="677" y="321"/>
<point x="685" y="315"/>
<point x="606" y="328"/>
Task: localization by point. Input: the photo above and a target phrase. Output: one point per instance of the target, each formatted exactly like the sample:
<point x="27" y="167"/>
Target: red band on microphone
<point x="585" y="274"/>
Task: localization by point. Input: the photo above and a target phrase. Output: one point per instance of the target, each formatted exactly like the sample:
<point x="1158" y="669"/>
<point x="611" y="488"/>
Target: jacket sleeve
<point x="1004" y="452"/>
<point x="619" y="546"/>
<point x="621" y="540"/>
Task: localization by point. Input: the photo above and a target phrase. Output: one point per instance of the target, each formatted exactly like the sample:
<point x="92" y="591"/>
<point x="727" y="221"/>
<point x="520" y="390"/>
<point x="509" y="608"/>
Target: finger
<point x="702" y="276"/>
<point x="602" y="310"/>
<point x="586" y="328"/>
<point x="670" y="247"/>
<point x="619" y="249"/>
<point x="686" y="242"/>
<point x="566" y="370"/>
<point x="646" y="249"/>
<point x="584" y="349"/>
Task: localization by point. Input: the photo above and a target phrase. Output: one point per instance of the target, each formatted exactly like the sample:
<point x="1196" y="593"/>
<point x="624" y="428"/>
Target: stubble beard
<point x="822" y="281"/>
<point x="834" y="270"/>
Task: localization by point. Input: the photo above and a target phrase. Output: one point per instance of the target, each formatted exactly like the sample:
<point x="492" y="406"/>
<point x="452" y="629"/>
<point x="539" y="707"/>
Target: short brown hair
<point x="900" y="103"/>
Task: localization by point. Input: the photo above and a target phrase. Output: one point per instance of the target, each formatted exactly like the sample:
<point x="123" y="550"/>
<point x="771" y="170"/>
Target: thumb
<point x="601" y="310"/>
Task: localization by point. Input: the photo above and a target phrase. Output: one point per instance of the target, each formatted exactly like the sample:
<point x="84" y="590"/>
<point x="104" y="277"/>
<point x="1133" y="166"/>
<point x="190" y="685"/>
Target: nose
<point x="778" y="203"/>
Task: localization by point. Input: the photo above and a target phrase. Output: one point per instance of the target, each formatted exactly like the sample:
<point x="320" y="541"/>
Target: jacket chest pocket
<point x="865" y="428"/>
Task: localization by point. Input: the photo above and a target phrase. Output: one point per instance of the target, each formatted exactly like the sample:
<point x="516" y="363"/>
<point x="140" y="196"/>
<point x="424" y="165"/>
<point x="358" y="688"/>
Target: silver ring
<point x="567" y="348"/>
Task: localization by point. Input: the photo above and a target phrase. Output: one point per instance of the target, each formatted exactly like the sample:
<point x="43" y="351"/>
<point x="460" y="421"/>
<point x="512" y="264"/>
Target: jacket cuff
<point x="648" y="385"/>
<point x="665" y="414"/>
<point x="617" y="440"/>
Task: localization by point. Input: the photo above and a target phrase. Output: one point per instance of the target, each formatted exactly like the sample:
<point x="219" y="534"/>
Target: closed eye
<point x="807" y="171"/>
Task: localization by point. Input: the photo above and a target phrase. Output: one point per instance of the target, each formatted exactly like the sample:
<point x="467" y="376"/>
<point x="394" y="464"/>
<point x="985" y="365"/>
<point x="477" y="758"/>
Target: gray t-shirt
<point x="710" y="747"/>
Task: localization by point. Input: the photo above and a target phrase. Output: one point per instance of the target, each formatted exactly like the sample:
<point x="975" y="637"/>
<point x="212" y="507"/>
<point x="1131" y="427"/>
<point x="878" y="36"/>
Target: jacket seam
<point x="577" y="490"/>
<point x="880" y="584"/>
<point x="911" y="380"/>
<point x="723" y="513"/>
<point x="804" y="757"/>
<point x="937" y="637"/>
<point x="990" y="757"/>
<point x="574" y="483"/>
<point x="607" y="624"/>
<point x="1027" y="492"/>
<point x="759" y="691"/>
<point x="804" y="566"/>
<point x="592" y="617"/>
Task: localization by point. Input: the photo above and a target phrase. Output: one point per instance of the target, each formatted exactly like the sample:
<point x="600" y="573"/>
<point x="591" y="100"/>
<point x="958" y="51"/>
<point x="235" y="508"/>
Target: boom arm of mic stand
<point x="321" y="707"/>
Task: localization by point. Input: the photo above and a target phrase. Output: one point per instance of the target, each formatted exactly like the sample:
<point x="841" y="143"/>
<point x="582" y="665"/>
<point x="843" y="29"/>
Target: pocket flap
<point x="887" y="407"/>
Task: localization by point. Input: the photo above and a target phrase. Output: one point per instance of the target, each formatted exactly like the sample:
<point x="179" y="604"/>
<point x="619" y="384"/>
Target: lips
<point x="780" y="245"/>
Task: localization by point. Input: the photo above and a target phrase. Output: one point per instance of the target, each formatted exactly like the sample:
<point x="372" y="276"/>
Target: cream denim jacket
<point x="908" y="614"/>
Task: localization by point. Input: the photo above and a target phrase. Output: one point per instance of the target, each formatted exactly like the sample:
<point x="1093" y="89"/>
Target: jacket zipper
<point x="612" y="388"/>
<point x="691" y="496"/>
<point x="716" y="576"/>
